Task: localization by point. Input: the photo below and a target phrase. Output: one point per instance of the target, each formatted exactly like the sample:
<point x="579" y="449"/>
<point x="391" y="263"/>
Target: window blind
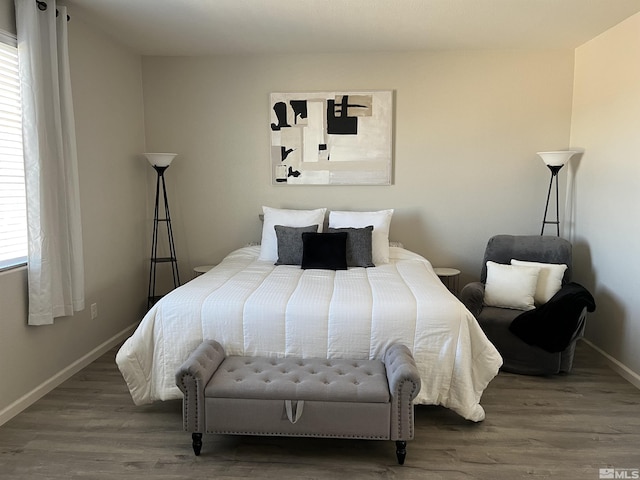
<point x="13" y="214"/>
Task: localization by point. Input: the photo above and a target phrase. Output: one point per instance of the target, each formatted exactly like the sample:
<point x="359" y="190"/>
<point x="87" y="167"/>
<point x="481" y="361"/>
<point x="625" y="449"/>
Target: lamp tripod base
<point x="157" y="220"/>
<point x="554" y="176"/>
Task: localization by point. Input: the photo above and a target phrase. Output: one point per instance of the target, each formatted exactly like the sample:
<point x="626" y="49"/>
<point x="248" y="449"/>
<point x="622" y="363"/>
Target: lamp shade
<point x="557" y="158"/>
<point x="160" y="159"/>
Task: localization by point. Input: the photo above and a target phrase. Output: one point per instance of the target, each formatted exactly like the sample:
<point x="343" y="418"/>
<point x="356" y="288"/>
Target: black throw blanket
<point x="552" y="326"/>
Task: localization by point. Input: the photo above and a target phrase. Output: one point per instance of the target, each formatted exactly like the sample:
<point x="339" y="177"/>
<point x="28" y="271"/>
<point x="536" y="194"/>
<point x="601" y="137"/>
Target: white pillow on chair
<point x="510" y="286"/>
<point x="549" y="279"/>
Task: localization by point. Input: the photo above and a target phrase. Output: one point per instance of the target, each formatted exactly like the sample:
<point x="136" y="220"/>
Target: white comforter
<point x="255" y="308"/>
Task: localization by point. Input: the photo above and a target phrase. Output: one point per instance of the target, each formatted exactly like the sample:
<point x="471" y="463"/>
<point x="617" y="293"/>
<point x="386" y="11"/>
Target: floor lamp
<point x="160" y="162"/>
<point x="555" y="161"/>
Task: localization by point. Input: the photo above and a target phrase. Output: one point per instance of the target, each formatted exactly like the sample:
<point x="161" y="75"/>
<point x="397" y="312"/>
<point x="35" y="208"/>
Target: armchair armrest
<point x="472" y="296"/>
<point x="404" y="385"/>
<point x="191" y="379"/>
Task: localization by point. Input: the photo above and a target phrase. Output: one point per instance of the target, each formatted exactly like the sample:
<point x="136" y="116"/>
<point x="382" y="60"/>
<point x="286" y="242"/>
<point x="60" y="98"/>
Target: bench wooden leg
<point x="401" y="451"/>
<point x="197" y="443"/>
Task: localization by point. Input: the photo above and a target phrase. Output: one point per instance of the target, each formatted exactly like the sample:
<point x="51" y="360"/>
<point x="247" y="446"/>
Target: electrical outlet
<point x="94" y="311"/>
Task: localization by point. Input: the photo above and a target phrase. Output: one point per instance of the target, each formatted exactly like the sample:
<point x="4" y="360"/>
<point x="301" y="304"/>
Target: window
<point x="13" y="214"/>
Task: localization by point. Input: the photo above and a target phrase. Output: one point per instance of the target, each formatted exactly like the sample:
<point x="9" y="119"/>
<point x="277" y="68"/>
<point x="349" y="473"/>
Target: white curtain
<point x="55" y="261"/>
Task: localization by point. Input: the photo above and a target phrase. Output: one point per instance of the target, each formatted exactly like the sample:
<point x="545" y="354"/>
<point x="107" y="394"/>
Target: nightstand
<point x="199" y="270"/>
<point x="450" y="277"/>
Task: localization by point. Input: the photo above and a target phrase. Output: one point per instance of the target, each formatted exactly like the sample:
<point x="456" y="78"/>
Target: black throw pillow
<point x="327" y="251"/>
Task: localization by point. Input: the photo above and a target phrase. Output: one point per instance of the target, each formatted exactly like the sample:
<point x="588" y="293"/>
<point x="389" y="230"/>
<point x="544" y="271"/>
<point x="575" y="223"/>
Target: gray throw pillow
<point x="359" y="246"/>
<point x="290" y="243"/>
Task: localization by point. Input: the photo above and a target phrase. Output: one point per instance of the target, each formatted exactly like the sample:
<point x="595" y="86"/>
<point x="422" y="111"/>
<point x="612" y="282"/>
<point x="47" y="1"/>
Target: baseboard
<point x="45" y="387"/>
<point x="619" y="367"/>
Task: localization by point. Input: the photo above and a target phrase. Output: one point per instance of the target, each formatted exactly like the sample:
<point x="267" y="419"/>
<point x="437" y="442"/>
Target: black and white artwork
<point x="331" y="138"/>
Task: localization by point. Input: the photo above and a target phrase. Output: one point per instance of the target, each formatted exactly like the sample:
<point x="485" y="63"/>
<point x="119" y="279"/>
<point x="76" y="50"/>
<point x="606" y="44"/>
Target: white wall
<point x="467" y="126"/>
<point x="7" y="16"/>
<point x="606" y="123"/>
<point x="106" y="81"/>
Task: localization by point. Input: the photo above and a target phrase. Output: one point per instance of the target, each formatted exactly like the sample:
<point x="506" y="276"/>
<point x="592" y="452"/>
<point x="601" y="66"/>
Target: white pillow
<point x="549" y="279"/>
<point x="380" y="220"/>
<point x="287" y="218"/>
<point x="510" y="286"/>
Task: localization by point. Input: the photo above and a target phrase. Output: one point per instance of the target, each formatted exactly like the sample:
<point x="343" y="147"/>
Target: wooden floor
<point x="563" y="427"/>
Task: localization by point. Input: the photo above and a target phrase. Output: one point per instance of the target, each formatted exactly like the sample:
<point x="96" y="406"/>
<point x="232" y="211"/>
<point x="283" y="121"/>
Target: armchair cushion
<point x="517" y="356"/>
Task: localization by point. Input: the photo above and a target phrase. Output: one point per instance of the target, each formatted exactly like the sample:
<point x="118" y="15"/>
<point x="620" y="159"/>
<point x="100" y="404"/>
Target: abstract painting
<point x="331" y="138"/>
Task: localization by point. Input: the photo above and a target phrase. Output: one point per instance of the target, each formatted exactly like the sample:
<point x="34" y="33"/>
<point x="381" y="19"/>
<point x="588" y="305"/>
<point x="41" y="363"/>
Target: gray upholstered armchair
<point x="519" y="356"/>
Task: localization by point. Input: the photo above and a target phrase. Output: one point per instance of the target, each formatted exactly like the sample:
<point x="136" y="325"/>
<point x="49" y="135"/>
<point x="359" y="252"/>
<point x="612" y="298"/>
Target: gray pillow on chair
<point x="290" y="243"/>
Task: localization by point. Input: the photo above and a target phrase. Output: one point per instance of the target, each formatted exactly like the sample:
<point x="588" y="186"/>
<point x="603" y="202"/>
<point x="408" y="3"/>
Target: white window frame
<point x="10" y="151"/>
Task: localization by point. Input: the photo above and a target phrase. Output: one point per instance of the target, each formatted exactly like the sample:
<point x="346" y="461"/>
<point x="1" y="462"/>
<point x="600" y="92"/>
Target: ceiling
<point x="232" y="27"/>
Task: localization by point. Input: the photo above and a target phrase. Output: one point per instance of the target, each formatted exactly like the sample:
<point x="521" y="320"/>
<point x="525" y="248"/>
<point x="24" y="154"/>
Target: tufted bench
<point x="303" y="397"/>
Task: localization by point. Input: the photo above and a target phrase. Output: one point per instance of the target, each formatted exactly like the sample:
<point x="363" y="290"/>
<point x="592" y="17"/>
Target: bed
<point x="254" y="307"/>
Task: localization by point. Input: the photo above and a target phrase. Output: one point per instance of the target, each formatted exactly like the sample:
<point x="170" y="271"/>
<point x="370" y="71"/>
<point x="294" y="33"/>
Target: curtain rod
<point x="43" y="6"/>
